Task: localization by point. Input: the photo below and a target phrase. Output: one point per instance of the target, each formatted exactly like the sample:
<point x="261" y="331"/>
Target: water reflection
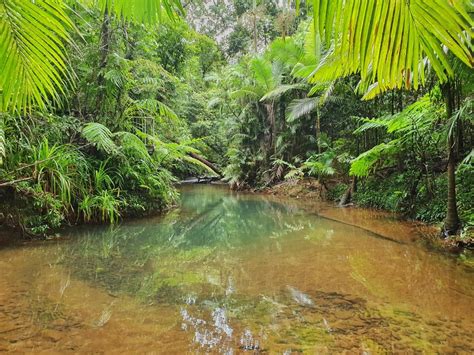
<point x="228" y="273"/>
<point x="192" y="245"/>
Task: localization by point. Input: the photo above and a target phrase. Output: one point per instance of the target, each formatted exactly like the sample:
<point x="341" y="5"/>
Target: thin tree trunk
<point x="349" y="194"/>
<point x="206" y="162"/>
<point x="105" y="37"/>
<point x="451" y="224"/>
<point x="318" y="130"/>
<point x="255" y="26"/>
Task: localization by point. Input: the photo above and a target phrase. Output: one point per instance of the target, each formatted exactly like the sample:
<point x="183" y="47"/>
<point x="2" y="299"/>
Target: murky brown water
<point x="230" y="273"/>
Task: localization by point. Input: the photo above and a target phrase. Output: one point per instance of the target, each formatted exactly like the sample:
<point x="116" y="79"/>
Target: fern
<point x="100" y="136"/>
<point x="365" y="162"/>
<point x="132" y="145"/>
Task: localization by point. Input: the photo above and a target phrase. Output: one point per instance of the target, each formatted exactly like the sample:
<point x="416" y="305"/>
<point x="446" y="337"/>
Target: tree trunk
<point x="318" y="130"/>
<point x="349" y="194"/>
<point x="255" y="27"/>
<point x="451" y="224"/>
<point x="105" y="38"/>
<point x="206" y="162"/>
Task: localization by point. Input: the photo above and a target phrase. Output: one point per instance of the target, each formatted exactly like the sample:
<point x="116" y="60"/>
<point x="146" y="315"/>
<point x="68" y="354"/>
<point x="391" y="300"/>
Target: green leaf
<point x="33" y="35"/>
<point x="386" y="41"/>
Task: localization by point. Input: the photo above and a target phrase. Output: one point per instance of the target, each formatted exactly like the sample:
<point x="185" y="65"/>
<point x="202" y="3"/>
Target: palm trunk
<point x="451" y="224"/>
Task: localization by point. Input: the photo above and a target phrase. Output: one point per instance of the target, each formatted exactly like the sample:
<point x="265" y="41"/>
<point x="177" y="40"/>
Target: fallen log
<point x="206" y="162"/>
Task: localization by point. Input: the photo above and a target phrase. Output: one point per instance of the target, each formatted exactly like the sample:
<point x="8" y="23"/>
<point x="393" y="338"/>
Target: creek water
<point x="233" y="273"/>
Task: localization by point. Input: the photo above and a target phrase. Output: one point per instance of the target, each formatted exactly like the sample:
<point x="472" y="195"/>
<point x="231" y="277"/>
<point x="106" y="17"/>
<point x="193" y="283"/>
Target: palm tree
<point x="266" y="78"/>
<point x="389" y="43"/>
<point x="34" y="35"/>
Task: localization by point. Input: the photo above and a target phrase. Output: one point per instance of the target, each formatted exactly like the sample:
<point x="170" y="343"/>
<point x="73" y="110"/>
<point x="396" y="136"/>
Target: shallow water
<point x="229" y="273"/>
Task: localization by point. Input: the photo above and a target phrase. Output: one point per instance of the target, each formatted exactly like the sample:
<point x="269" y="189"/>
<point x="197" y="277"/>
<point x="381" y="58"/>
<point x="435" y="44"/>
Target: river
<point x="228" y="273"/>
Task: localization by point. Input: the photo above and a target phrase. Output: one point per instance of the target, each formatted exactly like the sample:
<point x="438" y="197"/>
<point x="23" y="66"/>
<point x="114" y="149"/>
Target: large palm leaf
<point x="32" y="57"/>
<point x="33" y="35"/>
<point x="262" y="70"/>
<point x="387" y="40"/>
<point x="148" y="11"/>
<point x="301" y="107"/>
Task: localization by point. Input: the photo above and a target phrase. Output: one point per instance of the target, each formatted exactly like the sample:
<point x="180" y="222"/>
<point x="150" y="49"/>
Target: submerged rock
<point x="300" y="297"/>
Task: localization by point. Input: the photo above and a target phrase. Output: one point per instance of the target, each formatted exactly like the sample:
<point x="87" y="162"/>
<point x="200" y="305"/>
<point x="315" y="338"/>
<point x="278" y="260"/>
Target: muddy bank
<point x="306" y="188"/>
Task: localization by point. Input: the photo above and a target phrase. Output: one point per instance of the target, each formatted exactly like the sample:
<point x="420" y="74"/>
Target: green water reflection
<point x="230" y="272"/>
<point x="182" y="248"/>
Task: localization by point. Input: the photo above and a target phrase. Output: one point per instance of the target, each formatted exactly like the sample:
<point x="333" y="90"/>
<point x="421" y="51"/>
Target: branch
<point x="13" y="182"/>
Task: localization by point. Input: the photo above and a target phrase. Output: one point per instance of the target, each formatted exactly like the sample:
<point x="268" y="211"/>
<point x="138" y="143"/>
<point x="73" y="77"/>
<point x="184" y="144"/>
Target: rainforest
<point x="261" y="176"/>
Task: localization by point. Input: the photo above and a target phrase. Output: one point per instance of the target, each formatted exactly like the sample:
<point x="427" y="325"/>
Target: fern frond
<point x="365" y="162"/>
<point x="132" y="145"/>
<point x="100" y="136"/>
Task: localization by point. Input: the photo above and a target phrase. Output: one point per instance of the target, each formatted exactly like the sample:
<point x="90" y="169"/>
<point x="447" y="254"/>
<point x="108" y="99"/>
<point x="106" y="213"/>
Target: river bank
<point x="311" y="192"/>
<point x="314" y="197"/>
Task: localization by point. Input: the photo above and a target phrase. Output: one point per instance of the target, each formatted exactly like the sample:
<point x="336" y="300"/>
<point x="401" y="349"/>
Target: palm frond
<point x="262" y="70"/>
<point x="281" y="90"/>
<point x="147" y="11"/>
<point x="247" y="92"/>
<point x="286" y="51"/>
<point x="301" y="107"/>
<point x="32" y="53"/>
<point x="387" y="40"/>
<point x="214" y="102"/>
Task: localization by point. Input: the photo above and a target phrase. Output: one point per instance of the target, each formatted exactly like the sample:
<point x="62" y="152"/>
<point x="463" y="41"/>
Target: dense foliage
<point x="108" y="104"/>
<point x="118" y="137"/>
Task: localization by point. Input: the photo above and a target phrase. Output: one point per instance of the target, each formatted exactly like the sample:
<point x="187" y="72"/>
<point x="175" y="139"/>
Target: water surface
<point x="229" y="273"/>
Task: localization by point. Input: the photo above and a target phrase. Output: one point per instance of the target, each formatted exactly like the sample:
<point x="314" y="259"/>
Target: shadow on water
<point x="233" y="272"/>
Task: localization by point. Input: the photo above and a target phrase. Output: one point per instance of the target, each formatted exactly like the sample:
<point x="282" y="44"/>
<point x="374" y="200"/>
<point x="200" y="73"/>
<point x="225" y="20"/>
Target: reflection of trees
<point x="185" y="247"/>
<point x="221" y="219"/>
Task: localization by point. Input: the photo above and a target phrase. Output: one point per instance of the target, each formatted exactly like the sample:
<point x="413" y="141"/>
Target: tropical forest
<point x="237" y="176"/>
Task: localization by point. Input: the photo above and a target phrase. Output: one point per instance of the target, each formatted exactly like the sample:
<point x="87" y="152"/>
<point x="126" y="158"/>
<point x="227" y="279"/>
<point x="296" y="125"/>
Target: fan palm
<point x="33" y="39"/>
